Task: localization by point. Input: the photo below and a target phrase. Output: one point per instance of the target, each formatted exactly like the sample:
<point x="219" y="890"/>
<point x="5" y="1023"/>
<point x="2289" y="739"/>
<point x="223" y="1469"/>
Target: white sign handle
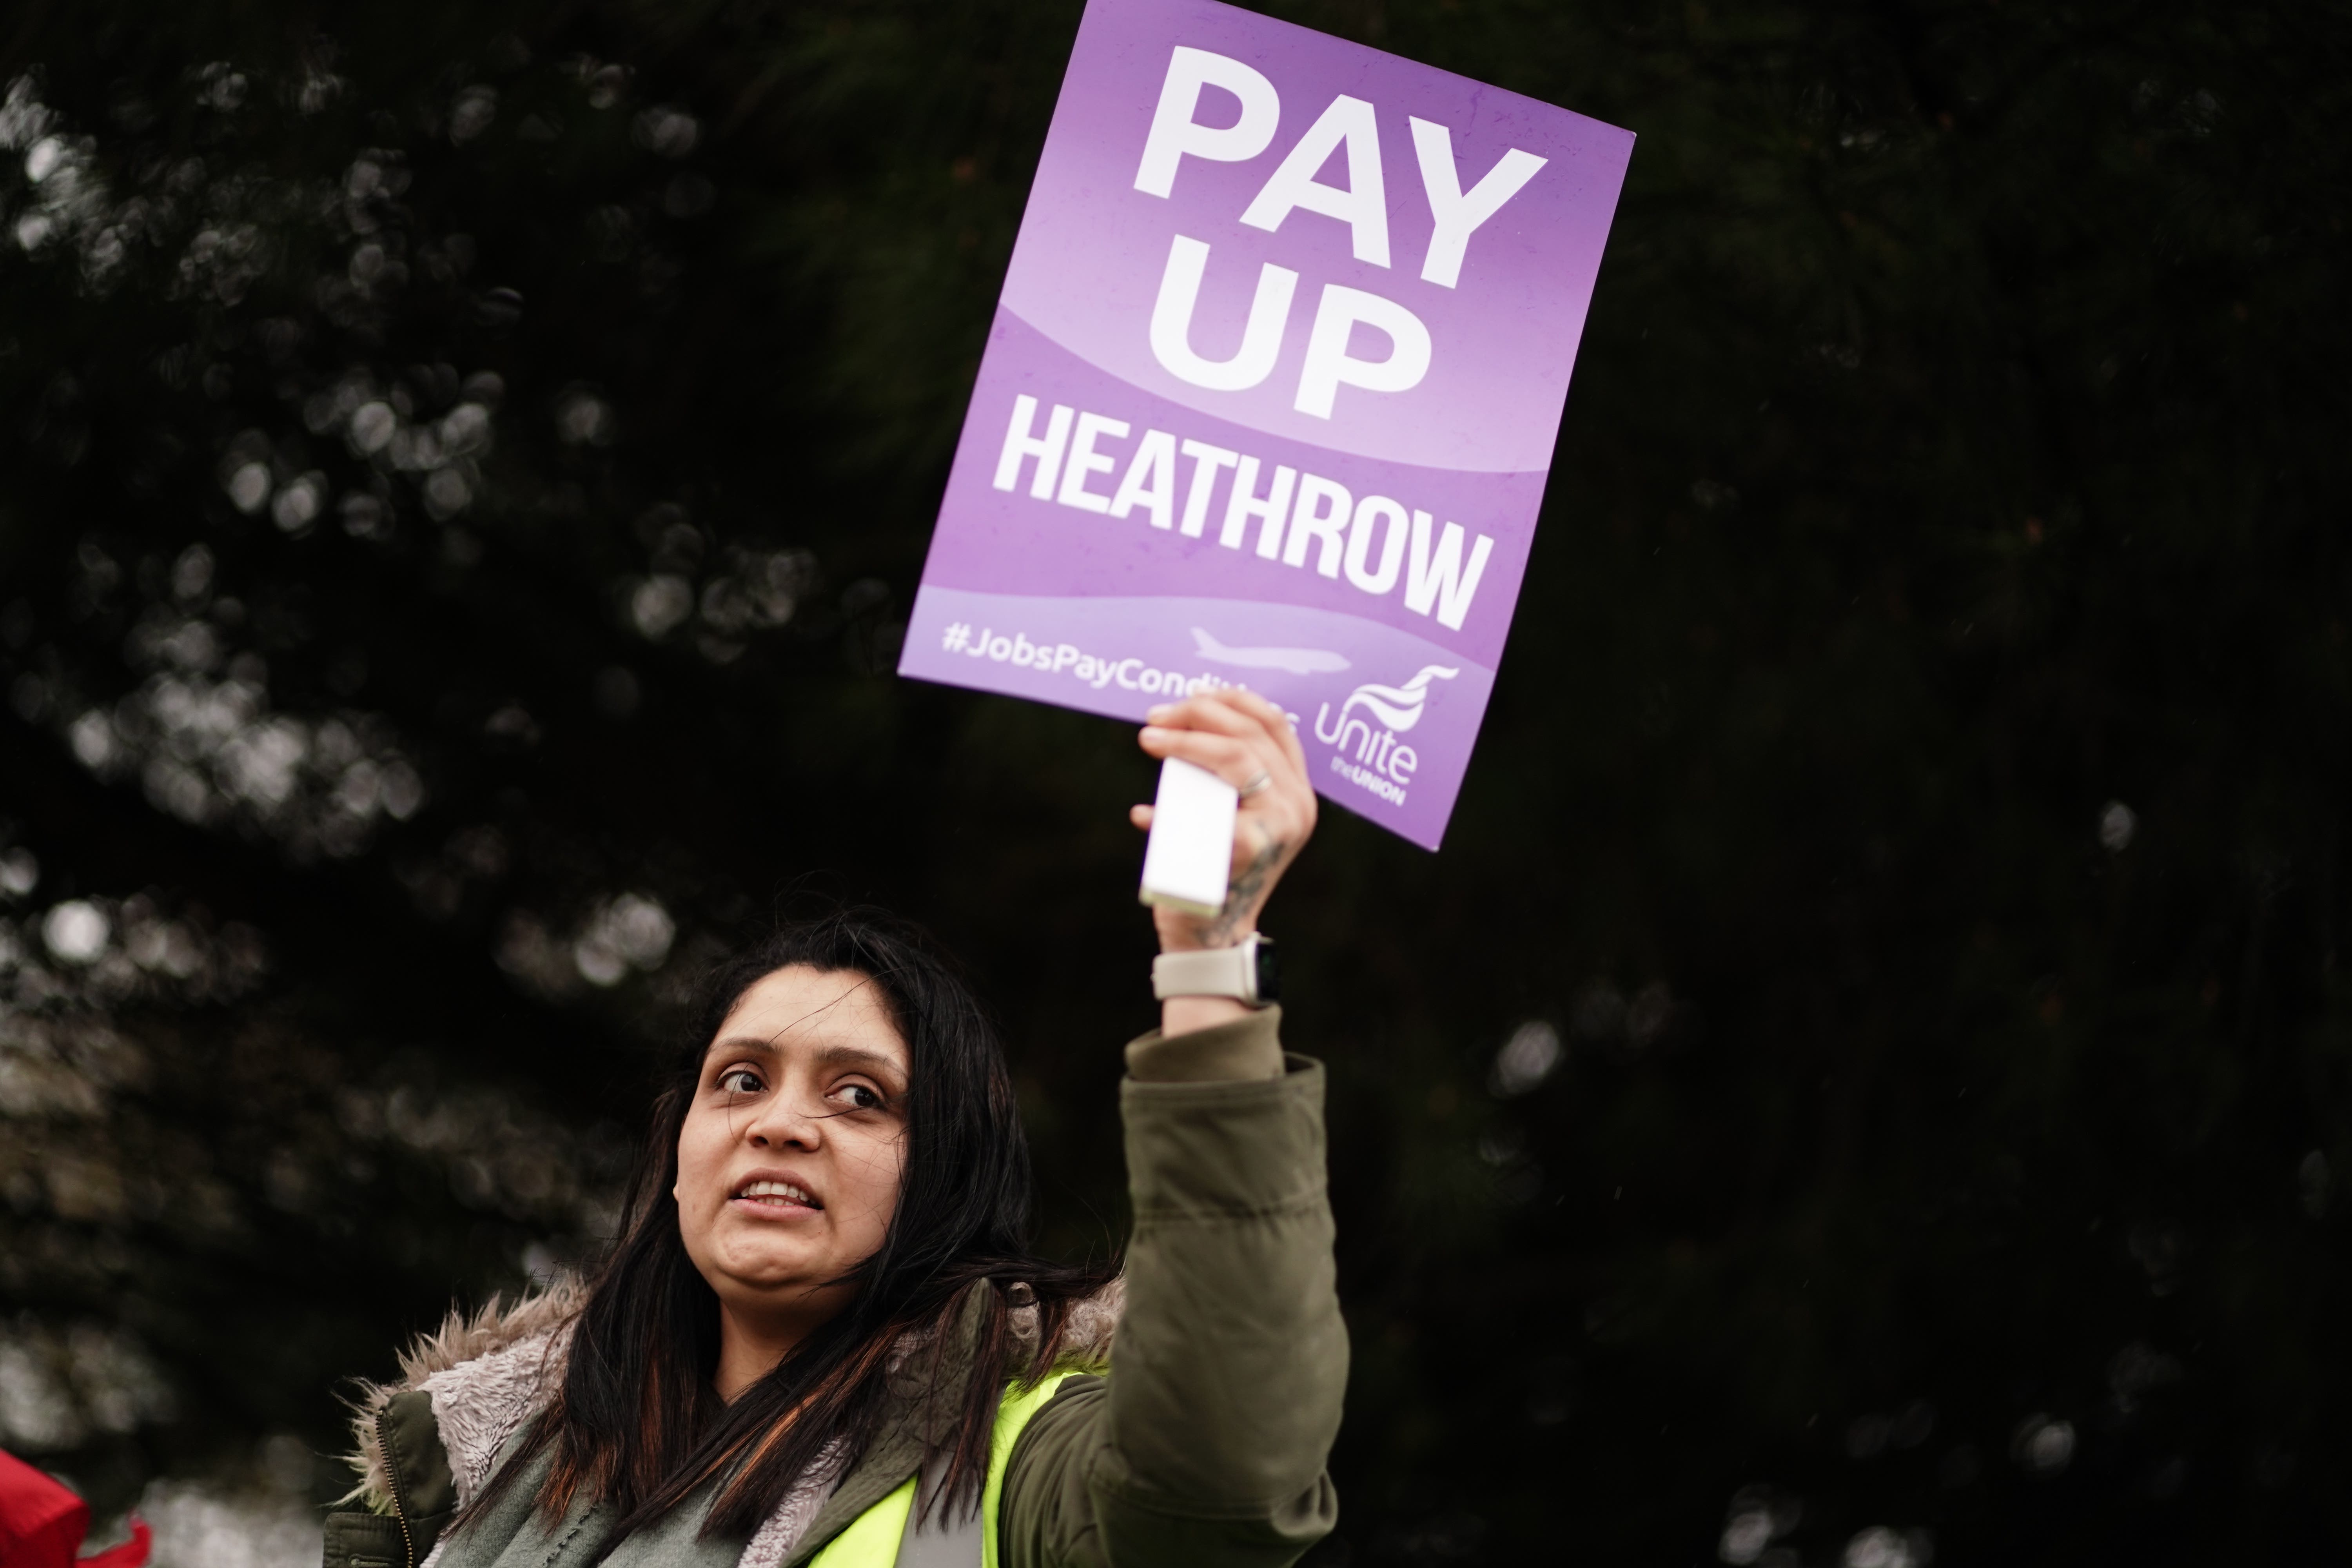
<point x="1188" y="862"/>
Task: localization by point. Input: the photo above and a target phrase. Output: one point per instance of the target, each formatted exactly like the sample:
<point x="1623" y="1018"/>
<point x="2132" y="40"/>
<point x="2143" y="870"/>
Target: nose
<point x="785" y="1123"/>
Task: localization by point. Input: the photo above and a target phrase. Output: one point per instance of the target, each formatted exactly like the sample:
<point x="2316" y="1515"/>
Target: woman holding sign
<point x="819" y="1337"/>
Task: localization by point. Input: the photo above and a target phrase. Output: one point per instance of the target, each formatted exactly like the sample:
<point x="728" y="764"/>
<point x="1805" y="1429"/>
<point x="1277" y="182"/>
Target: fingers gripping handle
<point x="1188" y="860"/>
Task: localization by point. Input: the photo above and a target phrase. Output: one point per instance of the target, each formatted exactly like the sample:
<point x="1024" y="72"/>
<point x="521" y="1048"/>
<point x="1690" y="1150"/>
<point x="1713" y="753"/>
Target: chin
<point x="767" y="1268"/>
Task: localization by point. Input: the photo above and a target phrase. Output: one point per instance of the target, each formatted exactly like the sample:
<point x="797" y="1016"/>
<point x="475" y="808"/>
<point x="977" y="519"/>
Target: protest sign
<point x="1271" y="393"/>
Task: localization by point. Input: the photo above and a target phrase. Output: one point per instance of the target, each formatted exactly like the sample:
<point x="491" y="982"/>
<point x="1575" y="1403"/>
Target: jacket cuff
<point x="1246" y="1049"/>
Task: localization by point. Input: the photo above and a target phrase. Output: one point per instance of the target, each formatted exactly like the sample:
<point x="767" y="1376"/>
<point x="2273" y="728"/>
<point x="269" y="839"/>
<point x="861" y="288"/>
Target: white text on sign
<point x="1349" y="124"/>
<point x="1297" y="515"/>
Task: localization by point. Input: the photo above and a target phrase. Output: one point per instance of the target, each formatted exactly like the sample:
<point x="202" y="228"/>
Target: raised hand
<point x="1244" y="740"/>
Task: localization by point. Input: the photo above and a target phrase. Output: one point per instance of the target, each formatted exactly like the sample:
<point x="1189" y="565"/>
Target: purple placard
<point x="1271" y="393"/>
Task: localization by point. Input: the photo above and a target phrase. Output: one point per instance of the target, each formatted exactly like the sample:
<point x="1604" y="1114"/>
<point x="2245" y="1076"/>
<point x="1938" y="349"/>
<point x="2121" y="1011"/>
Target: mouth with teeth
<point x="777" y="1198"/>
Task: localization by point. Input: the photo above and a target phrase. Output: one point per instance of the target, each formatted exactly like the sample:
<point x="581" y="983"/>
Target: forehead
<point x="804" y="1007"/>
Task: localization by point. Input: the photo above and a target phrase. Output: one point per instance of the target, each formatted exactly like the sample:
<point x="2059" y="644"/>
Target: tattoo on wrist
<point x="1249" y="883"/>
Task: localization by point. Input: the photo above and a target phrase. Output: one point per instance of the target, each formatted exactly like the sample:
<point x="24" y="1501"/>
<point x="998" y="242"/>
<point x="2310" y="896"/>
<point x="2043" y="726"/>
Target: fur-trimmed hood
<point x="495" y="1369"/>
<point x="488" y="1373"/>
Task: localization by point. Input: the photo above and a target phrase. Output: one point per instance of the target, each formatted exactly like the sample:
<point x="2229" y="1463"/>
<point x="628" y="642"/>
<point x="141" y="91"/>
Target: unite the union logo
<point x="1373" y="758"/>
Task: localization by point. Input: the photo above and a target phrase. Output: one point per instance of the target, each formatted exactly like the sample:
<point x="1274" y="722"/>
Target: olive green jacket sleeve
<point x="1205" y="1445"/>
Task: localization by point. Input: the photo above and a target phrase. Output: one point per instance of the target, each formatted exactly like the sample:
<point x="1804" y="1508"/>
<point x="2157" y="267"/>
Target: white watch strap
<point x="1213" y="972"/>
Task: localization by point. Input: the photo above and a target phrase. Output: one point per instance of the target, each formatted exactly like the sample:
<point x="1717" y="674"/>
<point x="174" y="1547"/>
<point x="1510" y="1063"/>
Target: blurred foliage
<point x="1867" y="1076"/>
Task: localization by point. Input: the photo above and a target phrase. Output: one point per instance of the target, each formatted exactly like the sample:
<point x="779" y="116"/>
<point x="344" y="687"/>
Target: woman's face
<point x="789" y="1163"/>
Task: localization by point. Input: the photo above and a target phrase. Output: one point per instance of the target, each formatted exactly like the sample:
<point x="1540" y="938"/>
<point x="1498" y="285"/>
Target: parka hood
<point x="488" y="1373"/>
<point x="506" y="1358"/>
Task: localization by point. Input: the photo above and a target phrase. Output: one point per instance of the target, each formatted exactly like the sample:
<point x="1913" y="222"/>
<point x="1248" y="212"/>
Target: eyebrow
<point x="829" y="1056"/>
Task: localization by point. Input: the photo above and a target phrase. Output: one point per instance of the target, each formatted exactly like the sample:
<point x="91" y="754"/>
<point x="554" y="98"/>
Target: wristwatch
<point x="1245" y="973"/>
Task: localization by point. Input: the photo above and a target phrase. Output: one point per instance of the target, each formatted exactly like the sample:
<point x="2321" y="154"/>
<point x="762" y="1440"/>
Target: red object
<point x="42" y="1524"/>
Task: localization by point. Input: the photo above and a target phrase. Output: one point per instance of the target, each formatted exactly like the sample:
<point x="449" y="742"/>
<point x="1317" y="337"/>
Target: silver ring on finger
<point x="1264" y="780"/>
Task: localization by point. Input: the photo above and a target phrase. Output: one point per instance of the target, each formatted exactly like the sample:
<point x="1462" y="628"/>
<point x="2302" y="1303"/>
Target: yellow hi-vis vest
<point x="873" y="1539"/>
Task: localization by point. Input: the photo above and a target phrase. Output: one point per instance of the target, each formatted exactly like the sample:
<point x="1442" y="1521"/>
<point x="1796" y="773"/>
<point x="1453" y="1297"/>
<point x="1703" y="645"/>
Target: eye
<point x="860" y="1096"/>
<point x="740" y="1080"/>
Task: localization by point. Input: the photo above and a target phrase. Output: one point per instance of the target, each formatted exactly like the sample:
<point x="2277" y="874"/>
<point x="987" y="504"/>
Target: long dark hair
<point x="637" y="1424"/>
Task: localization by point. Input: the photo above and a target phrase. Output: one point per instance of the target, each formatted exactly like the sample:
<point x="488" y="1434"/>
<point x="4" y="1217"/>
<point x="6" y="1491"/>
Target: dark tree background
<point x="1866" y="1078"/>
